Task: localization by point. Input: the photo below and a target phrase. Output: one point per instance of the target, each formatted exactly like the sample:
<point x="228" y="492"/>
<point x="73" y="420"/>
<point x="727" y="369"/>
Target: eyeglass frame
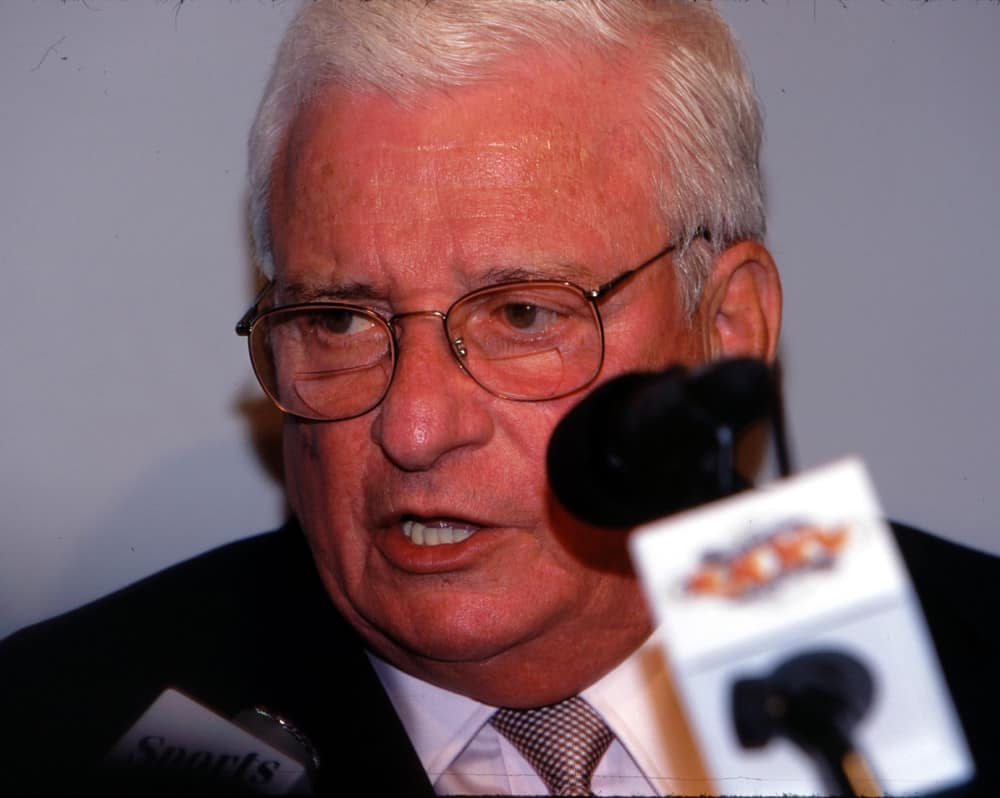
<point x="245" y="326"/>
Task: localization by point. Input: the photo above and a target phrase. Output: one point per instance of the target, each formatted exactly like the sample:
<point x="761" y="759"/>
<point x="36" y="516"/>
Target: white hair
<point x="701" y="122"/>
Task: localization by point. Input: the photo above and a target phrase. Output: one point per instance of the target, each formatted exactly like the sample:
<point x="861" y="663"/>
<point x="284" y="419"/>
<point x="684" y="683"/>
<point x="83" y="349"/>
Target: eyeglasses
<point x="527" y="341"/>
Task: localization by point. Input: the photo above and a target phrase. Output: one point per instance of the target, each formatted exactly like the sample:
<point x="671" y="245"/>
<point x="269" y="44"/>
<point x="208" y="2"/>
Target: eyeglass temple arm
<point x="247" y="319"/>
<point x="609" y="286"/>
<point x="601" y="290"/>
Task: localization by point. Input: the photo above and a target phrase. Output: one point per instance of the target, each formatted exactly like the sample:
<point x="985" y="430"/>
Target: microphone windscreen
<point x="646" y="444"/>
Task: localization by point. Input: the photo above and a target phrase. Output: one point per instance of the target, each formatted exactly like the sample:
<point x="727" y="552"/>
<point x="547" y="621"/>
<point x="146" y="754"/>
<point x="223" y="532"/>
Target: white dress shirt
<point x="653" y="753"/>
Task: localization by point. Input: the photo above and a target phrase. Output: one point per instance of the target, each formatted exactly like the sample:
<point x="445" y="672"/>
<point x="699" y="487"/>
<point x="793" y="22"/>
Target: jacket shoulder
<point x="248" y="624"/>
<point x="959" y="592"/>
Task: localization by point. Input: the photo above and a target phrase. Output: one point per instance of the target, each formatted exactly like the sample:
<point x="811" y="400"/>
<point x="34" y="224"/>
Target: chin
<point x="454" y="631"/>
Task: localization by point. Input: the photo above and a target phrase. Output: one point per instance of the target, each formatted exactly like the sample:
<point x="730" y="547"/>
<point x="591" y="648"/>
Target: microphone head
<point x="647" y="444"/>
<point x="807" y="699"/>
<point x="612" y="459"/>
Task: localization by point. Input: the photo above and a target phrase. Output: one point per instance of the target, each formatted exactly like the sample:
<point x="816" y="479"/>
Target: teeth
<point x="424" y="535"/>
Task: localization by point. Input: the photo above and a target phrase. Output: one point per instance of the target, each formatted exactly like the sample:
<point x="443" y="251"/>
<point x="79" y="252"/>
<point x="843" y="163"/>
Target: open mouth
<point x="436" y="533"/>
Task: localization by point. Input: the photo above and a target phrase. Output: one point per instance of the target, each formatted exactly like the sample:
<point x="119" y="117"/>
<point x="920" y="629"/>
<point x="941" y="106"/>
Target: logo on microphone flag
<point x="761" y="562"/>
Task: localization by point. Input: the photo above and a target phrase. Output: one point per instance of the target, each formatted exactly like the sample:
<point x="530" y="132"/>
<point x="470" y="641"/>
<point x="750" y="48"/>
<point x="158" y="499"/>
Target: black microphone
<point x="644" y="445"/>
<point x="815" y="699"/>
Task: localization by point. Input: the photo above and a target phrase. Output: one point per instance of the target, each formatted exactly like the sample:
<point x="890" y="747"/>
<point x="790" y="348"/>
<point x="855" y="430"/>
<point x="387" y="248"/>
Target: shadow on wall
<point x="264" y="424"/>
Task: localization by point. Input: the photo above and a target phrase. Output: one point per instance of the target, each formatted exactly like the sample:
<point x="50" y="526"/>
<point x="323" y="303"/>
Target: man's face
<point x="408" y="209"/>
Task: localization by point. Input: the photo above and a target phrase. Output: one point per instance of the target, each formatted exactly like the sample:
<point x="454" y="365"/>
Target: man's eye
<point x="523" y="316"/>
<point x="342" y="322"/>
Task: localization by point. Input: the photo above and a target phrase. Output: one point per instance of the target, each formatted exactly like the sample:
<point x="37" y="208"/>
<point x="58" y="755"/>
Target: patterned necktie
<point x="562" y="742"/>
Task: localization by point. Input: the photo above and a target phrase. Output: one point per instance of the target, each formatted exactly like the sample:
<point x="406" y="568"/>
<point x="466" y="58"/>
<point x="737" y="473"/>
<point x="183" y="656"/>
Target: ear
<point x="741" y="303"/>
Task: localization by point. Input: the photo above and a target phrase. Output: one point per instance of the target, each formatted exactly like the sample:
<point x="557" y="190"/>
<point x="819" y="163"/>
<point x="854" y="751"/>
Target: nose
<point x="432" y="408"/>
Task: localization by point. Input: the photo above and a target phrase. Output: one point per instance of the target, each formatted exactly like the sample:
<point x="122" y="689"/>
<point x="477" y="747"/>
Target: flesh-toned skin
<point x="406" y="209"/>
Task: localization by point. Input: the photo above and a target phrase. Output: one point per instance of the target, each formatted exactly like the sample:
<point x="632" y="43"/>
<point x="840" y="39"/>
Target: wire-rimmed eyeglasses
<point x="527" y="341"/>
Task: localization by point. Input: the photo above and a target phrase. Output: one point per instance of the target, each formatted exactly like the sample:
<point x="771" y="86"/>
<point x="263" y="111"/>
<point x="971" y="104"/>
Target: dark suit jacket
<point x="250" y="624"/>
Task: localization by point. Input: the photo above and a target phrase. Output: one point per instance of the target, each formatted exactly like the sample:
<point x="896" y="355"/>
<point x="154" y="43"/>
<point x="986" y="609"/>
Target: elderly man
<point x="547" y="177"/>
<point x="470" y="213"/>
<point x="448" y="233"/>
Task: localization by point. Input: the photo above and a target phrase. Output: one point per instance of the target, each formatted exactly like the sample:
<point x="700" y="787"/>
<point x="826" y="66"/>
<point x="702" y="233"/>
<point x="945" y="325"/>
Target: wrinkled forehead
<point x="358" y="149"/>
<point x="569" y="137"/>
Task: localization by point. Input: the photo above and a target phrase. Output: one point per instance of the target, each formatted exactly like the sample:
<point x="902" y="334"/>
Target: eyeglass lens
<point x="526" y="341"/>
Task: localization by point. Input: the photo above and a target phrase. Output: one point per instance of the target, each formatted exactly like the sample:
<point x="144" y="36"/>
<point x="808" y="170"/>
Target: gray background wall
<point x="125" y="398"/>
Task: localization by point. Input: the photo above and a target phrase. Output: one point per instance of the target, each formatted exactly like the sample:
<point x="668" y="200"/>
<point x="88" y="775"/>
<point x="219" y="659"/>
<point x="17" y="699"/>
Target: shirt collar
<point x="636" y="699"/>
<point x="438" y="722"/>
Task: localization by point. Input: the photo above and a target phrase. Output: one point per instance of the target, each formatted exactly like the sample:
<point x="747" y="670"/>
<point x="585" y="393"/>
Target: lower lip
<point x="418" y="559"/>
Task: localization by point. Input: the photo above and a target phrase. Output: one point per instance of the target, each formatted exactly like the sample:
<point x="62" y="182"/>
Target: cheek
<point x="299" y="443"/>
<point x="319" y="457"/>
<point x="526" y="434"/>
<point x="673" y="343"/>
<point x="651" y="335"/>
<point x="298" y="452"/>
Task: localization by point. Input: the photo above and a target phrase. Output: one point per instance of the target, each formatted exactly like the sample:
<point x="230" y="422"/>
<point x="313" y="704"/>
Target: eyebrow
<point x="332" y="292"/>
<point x="358" y="292"/>
<point x="564" y="272"/>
